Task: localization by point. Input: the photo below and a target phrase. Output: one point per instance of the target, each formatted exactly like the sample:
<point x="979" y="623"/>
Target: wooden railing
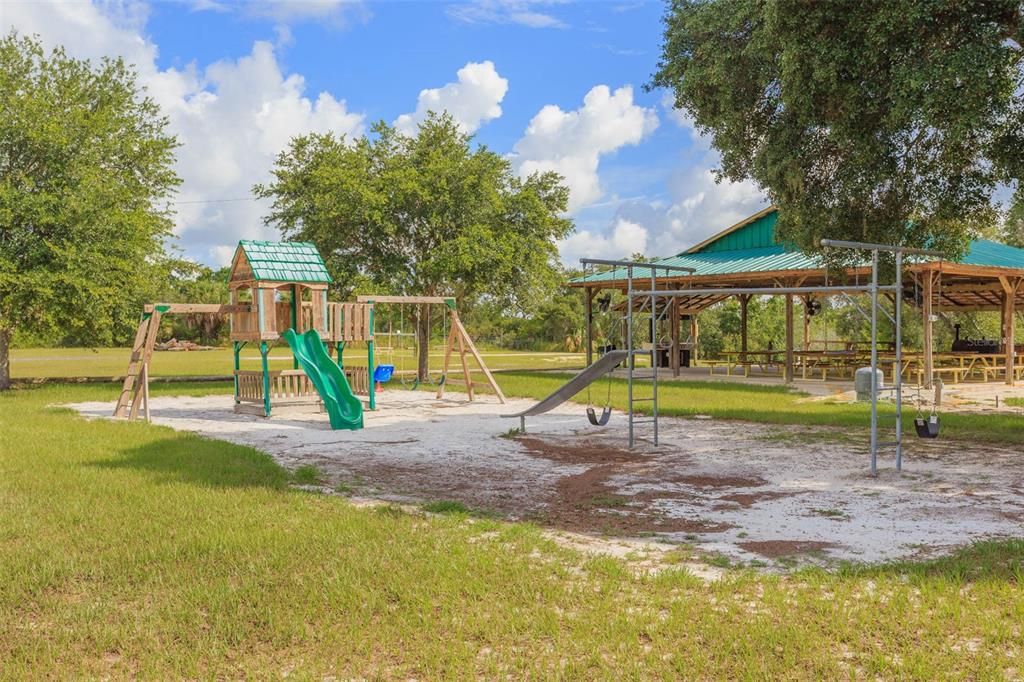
<point x="291" y="386"/>
<point x="349" y="322"/>
<point x="286" y="386"/>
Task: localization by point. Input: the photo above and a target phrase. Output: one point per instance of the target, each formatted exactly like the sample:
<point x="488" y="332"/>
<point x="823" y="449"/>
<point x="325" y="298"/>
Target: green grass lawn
<point x="130" y="550"/>
<point x="110" y="362"/>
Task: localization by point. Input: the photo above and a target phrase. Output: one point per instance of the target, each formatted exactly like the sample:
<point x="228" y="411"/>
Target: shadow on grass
<point x="200" y="461"/>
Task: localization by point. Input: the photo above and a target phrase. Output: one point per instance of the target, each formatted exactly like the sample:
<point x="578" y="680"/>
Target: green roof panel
<point x="285" y="261"/>
<point x="756" y="235"/>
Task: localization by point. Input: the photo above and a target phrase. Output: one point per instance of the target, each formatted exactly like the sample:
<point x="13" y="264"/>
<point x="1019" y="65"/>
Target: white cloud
<point x="474" y="99"/>
<point x="698" y="207"/>
<point x="626" y="238"/>
<point x="231" y="118"/>
<point x="521" y="12"/>
<point x="335" y="12"/>
<point x="572" y="142"/>
<point x="222" y="255"/>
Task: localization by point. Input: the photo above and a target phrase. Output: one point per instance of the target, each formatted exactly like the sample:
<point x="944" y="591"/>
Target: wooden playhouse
<point x="285" y="286"/>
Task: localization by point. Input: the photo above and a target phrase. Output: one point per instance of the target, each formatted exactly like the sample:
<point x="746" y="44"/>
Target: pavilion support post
<point x="744" y="315"/>
<point x="789" y="338"/>
<point x="1009" y="340"/>
<point x="926" y="319"/>
<point x="807" y="322"/>
<point x="588" y="307"/>
<point x="694" y="336"/>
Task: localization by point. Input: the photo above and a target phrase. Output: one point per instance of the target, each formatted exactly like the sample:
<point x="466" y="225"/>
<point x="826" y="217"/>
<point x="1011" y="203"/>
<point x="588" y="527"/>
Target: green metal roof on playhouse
<point x="750" y="247"/>
<point x="284" y="261"/>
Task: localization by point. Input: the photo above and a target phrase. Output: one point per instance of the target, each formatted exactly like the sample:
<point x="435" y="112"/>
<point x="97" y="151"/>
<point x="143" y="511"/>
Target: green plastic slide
<point x="344" y="409"/>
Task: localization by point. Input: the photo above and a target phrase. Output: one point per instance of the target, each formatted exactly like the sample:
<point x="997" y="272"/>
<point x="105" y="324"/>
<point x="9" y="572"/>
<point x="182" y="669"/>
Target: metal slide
<point x="589" y="375"/>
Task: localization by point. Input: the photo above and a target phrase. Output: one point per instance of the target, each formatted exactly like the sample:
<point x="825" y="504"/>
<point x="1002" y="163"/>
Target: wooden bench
<point x="957" y="373"/>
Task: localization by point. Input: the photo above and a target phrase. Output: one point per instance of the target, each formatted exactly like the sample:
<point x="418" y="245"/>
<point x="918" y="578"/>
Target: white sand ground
<point x="747" y="491"/>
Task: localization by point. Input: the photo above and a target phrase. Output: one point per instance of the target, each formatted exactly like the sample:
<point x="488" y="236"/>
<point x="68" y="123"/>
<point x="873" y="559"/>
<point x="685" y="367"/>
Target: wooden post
<point x="694" y="336"/>
<point x="467" y="342"/>
<point x="448" y="347"/>
<point x="145" y="392"/>
<point x="789" y="338"/>
<point x="465" y="367"/>
<point x="261" y="310"/>
<point x="1009" y="341"/>
<point x="588" y="307"/>
<point x="236" y="350"/>
<point x="926" y="314"/>
<point x="147" y="355"/>
<point x="744" y="314"/>
<point x="807" y="322"/>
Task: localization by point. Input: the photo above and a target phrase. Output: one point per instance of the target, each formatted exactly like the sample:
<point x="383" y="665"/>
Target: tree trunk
<point x="5" y="360"/>
<point x="423" y="341"/>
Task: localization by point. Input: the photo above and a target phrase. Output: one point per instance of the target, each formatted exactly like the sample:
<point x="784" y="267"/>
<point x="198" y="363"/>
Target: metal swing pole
<point x="874" y="362"/>
<point x="632" y="294"/>
<point x="654" y="353"/>
<point x="629" y="348"/>
<point x="897" y="289"/>
<point x="898" y="379"/>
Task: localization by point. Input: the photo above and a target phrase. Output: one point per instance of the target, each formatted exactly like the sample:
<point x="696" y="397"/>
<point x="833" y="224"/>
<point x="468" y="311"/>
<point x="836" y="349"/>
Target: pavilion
<point x="990" y="277"/>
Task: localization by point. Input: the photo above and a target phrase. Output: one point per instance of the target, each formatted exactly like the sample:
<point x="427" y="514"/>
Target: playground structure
<point x="642" y="408"/>
<point x="651" y="296"/>
<point x="279" y="292"/>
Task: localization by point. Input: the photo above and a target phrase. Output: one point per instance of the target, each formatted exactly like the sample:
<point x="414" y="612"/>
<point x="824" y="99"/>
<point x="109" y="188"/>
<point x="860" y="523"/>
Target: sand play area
<point x="765" y="495"/>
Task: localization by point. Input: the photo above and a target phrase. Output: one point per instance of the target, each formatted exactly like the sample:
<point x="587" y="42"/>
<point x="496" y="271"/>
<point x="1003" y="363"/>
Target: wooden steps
<point x="134" y="388"/>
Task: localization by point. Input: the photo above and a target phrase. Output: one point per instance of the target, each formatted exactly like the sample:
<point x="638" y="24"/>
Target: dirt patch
<point x="747" y="500"/>
<point x="708" y="481"/>
<point x="587" y="502"/>
<point x="775" y="549"/>
<point x="578" y="451"/>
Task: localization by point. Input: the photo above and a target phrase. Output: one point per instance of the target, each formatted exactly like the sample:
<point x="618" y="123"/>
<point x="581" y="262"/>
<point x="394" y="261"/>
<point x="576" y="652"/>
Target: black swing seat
<point x="927" y="427"/>
<point x="606" y="414"/>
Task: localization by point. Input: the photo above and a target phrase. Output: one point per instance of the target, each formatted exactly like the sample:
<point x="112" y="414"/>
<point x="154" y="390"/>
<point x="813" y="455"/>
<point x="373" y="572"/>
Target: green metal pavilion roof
<point x="285" y="261"/>
<point x="750" y="247"/>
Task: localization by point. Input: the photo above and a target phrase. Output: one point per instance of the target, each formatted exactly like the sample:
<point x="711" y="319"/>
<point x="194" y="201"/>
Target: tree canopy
<point x="877" y="121"/>
<point x="429" y="214"/>
<point x="85" y="172"/>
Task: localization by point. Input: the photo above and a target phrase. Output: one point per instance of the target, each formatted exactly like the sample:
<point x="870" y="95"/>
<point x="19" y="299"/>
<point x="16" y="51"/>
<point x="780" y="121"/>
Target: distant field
<point x="30" y="363"/>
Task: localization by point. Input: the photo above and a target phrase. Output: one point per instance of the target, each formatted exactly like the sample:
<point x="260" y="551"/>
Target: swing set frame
<point x="458" y="339"/>
<point x="874" y="289"/>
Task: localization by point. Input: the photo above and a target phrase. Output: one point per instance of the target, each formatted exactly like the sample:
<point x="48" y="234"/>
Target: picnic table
<point x="765" y="359"/>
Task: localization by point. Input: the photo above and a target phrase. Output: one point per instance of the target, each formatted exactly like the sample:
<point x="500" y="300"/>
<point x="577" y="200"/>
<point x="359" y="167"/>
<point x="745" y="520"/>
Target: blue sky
<point x="555" y="85"/>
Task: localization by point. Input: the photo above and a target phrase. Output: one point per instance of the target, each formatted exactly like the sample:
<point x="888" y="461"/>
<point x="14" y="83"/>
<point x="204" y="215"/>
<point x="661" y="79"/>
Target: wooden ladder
<point x="459" y="336"/>
<point x="142" y="352"/>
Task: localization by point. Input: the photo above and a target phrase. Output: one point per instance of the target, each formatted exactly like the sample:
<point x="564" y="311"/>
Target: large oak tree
<point x="871" y="120"/>
<point x="85" y="172"/>
<point x="431" y="214"/>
